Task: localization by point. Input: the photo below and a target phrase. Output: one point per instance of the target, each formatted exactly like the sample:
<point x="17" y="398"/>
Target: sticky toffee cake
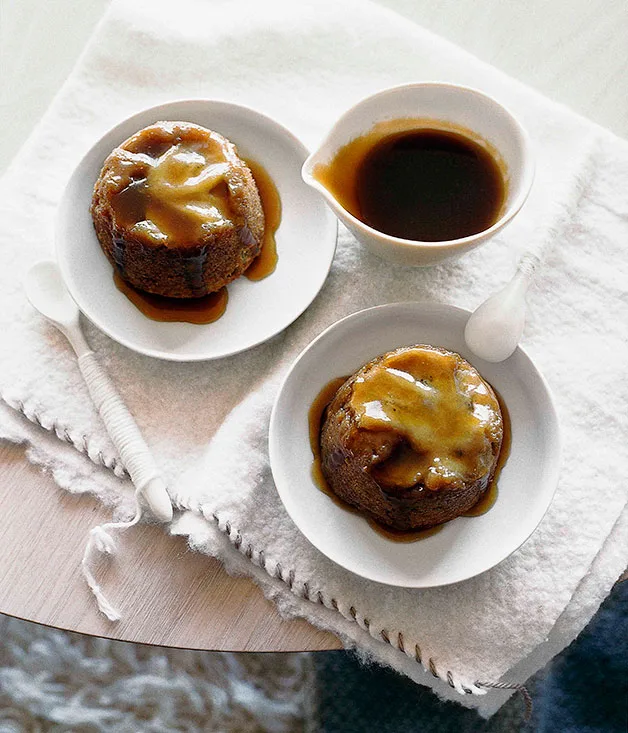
<point x="412" y="439"/>
<point x="177" y="212"/>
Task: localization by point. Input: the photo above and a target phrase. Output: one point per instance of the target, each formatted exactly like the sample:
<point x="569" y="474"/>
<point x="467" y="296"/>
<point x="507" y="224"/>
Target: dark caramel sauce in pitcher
<point x="416" y="182"/>
<point x="207" y="308"/>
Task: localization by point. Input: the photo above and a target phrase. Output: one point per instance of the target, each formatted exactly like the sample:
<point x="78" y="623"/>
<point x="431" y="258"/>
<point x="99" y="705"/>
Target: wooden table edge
<point x="168" y="595"/>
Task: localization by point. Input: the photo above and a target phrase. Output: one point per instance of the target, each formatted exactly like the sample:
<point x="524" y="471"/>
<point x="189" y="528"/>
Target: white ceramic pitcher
<point x="438" y="106"/>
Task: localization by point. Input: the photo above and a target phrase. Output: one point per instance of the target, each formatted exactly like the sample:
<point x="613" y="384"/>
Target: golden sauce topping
<point x="172" y="183"/>
<point x="443" y="411"/>
<point x="206" y="309"/>
<point x="489" y="497"/>
<point x="410" y="179"/>
<point x="315" y="420"/>
<point x="404" y="535"/>
<point x="266" y="261"/>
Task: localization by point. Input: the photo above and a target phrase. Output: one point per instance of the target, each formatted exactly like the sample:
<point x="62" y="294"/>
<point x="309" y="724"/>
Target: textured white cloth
<point x="303" y="64"/>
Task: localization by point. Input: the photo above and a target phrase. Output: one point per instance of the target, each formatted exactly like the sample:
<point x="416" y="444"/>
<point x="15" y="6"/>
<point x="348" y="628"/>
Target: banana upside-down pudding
<point x="177" y="211"/>
<point x="412" y="439"/>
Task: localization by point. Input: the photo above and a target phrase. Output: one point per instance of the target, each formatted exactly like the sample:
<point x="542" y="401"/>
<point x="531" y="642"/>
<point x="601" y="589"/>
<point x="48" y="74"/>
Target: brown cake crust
<point x="352" y="456"/>
<point x="184" y="231"/>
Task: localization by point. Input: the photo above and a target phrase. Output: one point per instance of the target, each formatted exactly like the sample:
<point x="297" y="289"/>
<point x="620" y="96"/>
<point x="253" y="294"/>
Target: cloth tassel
<point x="521" y="689"/>
<point x="100" y="540"/>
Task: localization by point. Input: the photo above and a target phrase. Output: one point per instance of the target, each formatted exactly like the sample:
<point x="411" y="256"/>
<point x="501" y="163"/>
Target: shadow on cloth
<point x="583" y="690"/>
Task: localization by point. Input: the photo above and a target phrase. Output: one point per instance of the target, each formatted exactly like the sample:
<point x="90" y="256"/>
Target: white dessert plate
<point x="306" y="242"/>
<point x="465" y="546"/>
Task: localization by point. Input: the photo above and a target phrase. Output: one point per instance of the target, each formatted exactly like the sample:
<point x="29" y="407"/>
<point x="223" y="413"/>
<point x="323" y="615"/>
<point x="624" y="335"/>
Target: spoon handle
<point x="528" y="265"/>
<point x="126" y="436"/>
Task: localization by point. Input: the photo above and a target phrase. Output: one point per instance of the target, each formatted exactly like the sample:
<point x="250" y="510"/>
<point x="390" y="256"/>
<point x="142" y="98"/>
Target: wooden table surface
<point x="571" y="50"/>
<point x="172" y="597"/>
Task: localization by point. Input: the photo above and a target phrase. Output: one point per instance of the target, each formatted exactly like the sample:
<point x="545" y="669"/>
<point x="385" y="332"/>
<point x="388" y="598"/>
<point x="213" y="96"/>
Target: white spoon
<point x="47" y="293"/>
<point x="495" y="327"/>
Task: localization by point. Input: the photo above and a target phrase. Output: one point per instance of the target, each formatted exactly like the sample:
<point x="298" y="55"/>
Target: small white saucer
<point x="465" y="546"/>
<point x="306" y="242"/>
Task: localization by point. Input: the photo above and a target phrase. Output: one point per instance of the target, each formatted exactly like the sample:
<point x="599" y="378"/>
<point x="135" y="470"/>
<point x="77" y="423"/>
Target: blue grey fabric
<point x="583" y="690"/>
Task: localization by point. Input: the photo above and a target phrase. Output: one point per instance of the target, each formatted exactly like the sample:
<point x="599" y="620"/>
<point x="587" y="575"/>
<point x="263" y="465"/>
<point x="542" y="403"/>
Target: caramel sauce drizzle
<point x="489" y="497"/>
<point x="441" y="409"/>
<point x="207" y="309"/>
<point x="169" y="189"/>
<point x="266" y="261"/>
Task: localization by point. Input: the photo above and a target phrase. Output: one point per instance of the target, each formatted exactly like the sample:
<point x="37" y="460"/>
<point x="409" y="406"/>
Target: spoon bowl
<point x="47" y="293"/>
<point x="494" y="329"/>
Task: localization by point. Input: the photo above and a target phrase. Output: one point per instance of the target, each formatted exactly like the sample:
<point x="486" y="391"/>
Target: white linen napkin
<point x="304" y="64"/>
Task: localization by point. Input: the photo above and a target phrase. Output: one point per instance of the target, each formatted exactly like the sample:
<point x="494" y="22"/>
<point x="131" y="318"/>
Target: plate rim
<point x="87" y="312"/>
<point x="433" y="308"/>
